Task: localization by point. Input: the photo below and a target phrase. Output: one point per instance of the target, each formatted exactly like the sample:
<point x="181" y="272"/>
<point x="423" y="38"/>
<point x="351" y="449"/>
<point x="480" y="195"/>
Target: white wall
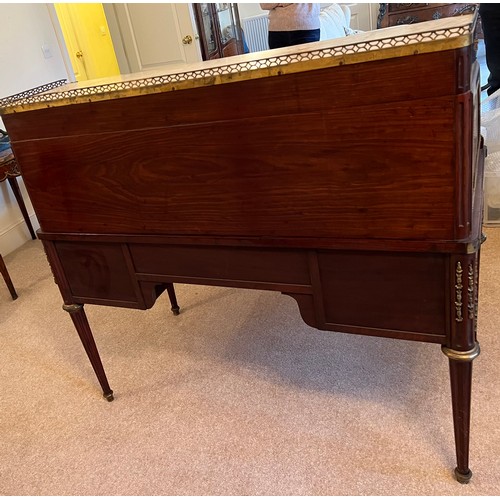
<point x="25" y="28"/>
<point x="249" y="10"/>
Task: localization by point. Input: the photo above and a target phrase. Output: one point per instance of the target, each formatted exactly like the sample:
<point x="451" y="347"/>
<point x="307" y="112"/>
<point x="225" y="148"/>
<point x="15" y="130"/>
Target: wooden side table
<point x="9" y="170"/>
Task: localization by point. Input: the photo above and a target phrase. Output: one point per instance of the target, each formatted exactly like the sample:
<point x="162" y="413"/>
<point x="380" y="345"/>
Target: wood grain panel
<point x="391" y="291"/>
<point x="96" y="270"/>
<point x="329" y="174"/>
<point x="270" y="266"/>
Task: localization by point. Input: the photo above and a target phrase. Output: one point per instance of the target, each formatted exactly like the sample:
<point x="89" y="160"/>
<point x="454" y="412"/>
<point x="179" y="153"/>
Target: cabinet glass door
<point x="209" y="30"/>
<point x="226" y="22"/>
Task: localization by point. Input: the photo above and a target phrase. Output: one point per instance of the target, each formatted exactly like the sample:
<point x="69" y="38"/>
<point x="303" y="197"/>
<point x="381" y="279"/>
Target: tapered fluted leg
<point x="79" y="318"/>
<point x="6" y="277"/>
<point x="461" y="384"/>
<point x="173" y="299"/>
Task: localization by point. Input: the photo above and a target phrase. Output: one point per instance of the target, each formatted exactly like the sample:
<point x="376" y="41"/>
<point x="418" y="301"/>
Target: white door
<point x="152" y="35"/>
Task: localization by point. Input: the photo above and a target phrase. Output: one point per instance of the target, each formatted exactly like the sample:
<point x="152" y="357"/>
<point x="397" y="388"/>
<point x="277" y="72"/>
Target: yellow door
<point x="88" y="41"/>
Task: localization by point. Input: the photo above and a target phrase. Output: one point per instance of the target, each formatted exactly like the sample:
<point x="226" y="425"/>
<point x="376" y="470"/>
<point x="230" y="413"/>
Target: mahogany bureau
<point x="345" y="173"/>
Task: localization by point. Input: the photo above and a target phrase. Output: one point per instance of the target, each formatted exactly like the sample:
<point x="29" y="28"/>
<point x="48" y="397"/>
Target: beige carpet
<point x="236" y="396"/>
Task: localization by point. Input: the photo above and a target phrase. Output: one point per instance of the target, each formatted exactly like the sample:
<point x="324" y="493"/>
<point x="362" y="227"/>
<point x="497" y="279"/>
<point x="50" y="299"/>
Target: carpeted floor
<point x="236" y="396"/>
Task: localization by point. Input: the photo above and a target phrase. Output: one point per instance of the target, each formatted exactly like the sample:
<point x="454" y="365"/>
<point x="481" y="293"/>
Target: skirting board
<point x="16" y="235"/>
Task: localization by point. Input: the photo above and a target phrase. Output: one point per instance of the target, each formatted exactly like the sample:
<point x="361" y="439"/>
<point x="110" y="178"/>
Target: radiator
<point x="255" y="32"/>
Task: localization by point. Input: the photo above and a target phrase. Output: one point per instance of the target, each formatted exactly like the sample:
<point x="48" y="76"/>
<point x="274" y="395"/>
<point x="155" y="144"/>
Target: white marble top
<point x="431" y="36"/>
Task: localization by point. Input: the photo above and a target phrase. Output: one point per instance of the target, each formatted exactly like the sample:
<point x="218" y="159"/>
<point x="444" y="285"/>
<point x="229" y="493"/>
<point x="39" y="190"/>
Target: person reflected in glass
<point x="292" y="23"/>
<point x="490" y="19"/>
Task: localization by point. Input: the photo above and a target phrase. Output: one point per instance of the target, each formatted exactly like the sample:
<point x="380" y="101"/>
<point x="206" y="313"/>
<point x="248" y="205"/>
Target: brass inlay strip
<point x="461" y="355"/>
<point x="458" y="292"/>
<point x="476" y="283"/>
<point x="470" y="292"/>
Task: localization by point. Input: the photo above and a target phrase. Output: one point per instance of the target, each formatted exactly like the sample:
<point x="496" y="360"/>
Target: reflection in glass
<point x="208" y="27"/>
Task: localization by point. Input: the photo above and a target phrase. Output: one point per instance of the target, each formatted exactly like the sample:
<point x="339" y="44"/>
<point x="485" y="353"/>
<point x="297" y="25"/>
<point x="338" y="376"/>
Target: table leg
<point x="82" y="326"/>
<point x="173" y="299"/>
<point x="461" y="384"/>
<point x="6" y="277"/>
<point x="17" y="193"/>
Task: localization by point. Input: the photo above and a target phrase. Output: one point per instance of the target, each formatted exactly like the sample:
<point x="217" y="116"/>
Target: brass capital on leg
<point x="72" y="308"/>
<point x="455" y="355"/>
